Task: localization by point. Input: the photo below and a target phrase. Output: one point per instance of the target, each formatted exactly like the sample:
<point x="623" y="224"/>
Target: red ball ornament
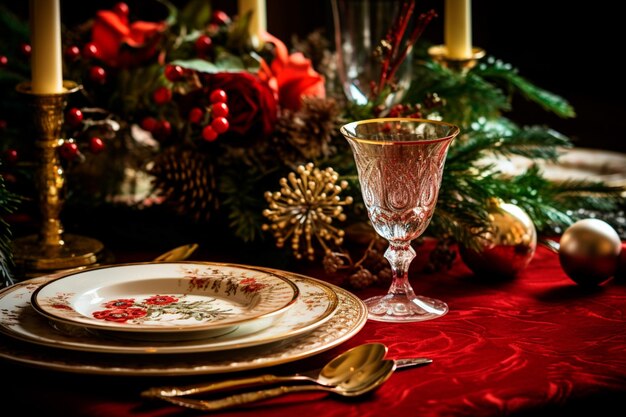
<point x="149" y="124"/>
<point x="196" y="115"/>
<point x="203" y="45"/>
<point x="69" y="150"/>
<point x="209" y="134"/>
<point x="25" y="50"/>
<point x="220" y="18"/>
<point x="90" y="51"/>
<point x="174" y="72"/>
<point x="620" y="274"/>
<point x="3" y="61"/>
<point x="220" y="125"/>
<point x="218" y="96"/>
<point x="74" y="117"/>
<point x="97" y="75"/>
<point x="3" y="125"/>
<point x="96" y="145"/>
<point x="72" y="53"/>
<point x="162" y="95"/>
<point x="219" y="110"/>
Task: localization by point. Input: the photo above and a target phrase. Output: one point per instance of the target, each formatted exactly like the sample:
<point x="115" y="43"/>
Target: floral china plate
<point x="316" y="305"/>
<point x="176" y="300"/>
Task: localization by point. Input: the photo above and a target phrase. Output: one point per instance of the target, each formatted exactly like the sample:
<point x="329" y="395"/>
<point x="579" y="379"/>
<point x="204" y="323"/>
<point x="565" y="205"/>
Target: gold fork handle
<point x="239" y="399"/>
<point x="160" y="392"/>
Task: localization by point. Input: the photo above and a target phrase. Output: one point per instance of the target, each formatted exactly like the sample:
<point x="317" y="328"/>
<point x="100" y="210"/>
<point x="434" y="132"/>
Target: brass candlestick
<point x="51" y="249"/>
<point x="440" y="54"/>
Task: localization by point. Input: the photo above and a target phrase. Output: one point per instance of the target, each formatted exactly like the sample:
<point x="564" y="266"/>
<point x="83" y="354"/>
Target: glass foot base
<point x="400" y="308"/>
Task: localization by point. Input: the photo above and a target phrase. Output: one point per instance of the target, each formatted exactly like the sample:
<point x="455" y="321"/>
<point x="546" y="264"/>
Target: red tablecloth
<point x="535" y="345"/>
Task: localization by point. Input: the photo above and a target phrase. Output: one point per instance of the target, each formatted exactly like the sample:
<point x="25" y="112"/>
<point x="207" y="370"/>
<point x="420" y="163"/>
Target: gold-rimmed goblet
<point x="400" y="164"/>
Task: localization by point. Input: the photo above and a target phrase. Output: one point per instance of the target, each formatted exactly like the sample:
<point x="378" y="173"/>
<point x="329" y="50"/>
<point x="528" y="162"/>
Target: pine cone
<point x="186" y="179"/>
<point x="306" y="134"/>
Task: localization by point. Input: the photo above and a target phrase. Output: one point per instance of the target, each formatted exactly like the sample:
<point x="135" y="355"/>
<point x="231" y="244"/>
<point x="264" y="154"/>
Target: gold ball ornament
<point x="507" y="247"/>
<point x="589" y="251"/>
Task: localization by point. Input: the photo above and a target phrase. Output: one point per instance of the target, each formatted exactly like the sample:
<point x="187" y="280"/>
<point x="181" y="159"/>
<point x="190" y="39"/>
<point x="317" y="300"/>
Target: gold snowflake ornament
<point x="305" y="207"/>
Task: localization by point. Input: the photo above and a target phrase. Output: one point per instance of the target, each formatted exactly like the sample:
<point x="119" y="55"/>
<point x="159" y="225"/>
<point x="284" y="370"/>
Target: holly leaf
<point x="196" y="14"/>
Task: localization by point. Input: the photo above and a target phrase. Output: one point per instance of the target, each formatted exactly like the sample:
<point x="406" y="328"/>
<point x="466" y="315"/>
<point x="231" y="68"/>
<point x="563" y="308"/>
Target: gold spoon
<point x="339" y="369"/>
<point x="367" y="379"/>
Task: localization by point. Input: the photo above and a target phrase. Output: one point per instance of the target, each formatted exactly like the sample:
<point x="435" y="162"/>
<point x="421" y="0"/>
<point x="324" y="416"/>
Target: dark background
<point x="569" y="48"/>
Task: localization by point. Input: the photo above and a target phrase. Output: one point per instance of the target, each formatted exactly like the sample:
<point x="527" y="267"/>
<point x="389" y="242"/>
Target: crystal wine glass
<point x="400" y="164"/>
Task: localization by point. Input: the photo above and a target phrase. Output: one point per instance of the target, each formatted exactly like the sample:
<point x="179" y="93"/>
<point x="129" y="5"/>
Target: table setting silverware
<point x="354" y="372"/>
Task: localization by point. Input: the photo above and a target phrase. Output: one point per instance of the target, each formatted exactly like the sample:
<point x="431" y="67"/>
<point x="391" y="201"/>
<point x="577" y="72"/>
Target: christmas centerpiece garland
<point x="222" y="129"/>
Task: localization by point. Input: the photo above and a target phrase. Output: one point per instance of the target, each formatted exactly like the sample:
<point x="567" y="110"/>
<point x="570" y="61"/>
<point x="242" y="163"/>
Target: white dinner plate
<point x="315" y="305"/>
<point x="177" y="300"/>
<point x="349" y="319"/>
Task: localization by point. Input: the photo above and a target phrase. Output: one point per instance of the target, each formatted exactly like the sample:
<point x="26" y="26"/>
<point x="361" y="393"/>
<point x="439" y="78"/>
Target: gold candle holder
<point x="462" y="65"/>
<point x="51" y="249"/>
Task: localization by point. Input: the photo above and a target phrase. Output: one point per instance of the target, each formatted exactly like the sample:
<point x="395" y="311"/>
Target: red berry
<point x="174" y="72"/>
<point x="209" y="134"/>
<point x="3" y="61"/>
<point x="69" y="150"/>
<point x="97" y="74"/>
<point x="219" y="110"/>
<point x="96" y="145"/>
<point x="121" y="9"/>
<point x="10" y="155"/>
<point x="203" y="44"/>
<point x="162" y="95"/>
<point x="195" y="115"/>
<point x="90" y="51"/>
<point x="25" y="49"/>
<point x="149" y="124"/>
<point x="220" y="124"/>
<point x="220" y="18"/>
<point x="72" y="52"/>
<point x="74" y="117"/>
<point x="218" y="96"/>
<point x="163" y="129"/>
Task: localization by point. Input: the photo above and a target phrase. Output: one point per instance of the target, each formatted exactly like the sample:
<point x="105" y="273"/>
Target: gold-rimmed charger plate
<point x="349" y="319"/>
<point x="315" y="305"/>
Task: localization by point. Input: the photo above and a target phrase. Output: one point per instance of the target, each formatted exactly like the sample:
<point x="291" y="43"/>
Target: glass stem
<point x="400" y="255"/>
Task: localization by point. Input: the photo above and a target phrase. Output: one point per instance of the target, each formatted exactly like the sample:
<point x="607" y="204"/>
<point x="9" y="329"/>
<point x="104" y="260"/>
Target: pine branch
<point x="499" y="71"/>
<point x="8" y="203"/>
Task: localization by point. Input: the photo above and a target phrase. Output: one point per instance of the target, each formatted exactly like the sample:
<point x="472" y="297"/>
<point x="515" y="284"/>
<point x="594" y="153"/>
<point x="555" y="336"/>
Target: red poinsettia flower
<point x="120" y="43"/>
<point x="120" y="315"/>
<point x="252" y="107"/>
<point x="120" y="303"/>
<point x="292" y="75"/>
<point x="160" y="300"/>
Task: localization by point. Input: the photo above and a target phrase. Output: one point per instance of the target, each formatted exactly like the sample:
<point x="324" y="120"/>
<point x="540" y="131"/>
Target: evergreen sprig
<point x="8" y="203"/>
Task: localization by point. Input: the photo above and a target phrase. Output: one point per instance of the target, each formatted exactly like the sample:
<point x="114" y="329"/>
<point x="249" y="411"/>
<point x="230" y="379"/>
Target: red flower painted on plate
<point x="120" y="315"/>
<point x="120" y="303"/>
<point x="250" y="285"/>
<point x="120" y="43"/>
<point x="160" y="300"/>
<point x="62" y="307"/>
<point x="292" y="75"/>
